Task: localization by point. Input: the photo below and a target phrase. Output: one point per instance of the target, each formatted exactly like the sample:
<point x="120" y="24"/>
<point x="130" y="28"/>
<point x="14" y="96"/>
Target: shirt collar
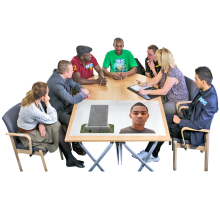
<point x="78" y="60"/>
<point x="206" y="91"/>
<point x="64" y="80"/>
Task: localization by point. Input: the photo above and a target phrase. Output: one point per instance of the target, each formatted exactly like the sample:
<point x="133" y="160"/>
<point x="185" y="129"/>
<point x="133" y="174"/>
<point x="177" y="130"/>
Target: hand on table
<point x="176" y="119"/>
<point x="42" y="130"/>
<point x="88" y="96"/>
<point x="116" y="76"/>
<point x="102" y="81"/>
<point x="123" y="75"/>
<point x="142" y="92"/>
<point x="86" y="91"/>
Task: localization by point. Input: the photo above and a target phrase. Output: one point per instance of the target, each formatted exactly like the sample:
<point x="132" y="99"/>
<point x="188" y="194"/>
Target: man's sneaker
<point x="142" y="154"/>
<point x="153" y="159"/>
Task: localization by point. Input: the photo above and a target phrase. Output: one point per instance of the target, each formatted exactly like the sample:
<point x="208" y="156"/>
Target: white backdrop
<point x="118" y="115"/>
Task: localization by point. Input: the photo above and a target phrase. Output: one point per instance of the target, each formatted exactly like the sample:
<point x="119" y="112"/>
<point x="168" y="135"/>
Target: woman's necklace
<point x="168" y="71"/>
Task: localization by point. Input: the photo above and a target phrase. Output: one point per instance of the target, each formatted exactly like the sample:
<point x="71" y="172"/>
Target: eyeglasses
<point x="150" y="54"/>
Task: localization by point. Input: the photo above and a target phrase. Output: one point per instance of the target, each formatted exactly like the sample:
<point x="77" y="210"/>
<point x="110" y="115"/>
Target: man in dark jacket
<point x="198" y="116"/>
<point x="59" y="85"/>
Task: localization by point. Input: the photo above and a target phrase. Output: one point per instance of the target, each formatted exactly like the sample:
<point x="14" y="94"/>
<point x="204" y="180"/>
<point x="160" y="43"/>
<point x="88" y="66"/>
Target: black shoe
<point x="80" y="165"/>
<point x="77" y="166"/>
<point x="82" y="162"/>
<point x="79" y="151"/>
<point x="76" y="145"/>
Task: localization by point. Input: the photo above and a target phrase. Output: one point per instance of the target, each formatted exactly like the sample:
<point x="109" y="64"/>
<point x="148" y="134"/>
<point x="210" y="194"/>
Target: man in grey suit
<point x="60" y="83"/>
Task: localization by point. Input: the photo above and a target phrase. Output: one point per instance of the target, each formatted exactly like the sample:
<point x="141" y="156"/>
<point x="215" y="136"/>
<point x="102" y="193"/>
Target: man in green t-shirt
<point x="121" y="62"/>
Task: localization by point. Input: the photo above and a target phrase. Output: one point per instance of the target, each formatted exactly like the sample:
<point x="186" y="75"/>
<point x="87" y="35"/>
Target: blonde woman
<point x="45" y="131"/>
<point x="171" y="82"/>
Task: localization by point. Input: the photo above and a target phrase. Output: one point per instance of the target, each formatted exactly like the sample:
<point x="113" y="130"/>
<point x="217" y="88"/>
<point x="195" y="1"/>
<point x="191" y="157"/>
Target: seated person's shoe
<point x="82" y="162"/>
<point x="79" y="151"/>
<point x="153" y="159"/>
<point x="72" y="162"/>
<point x="142" y="154"/>
<point x="80" y="165"/>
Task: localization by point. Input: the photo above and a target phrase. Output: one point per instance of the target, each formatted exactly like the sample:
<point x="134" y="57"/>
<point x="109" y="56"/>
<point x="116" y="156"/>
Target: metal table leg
<point x="148" y="155"/>
<point x="133" y="153"/>
<point x="98" y="160"/>
<point x="117" y="151"/>
<point x="120" y="148"/>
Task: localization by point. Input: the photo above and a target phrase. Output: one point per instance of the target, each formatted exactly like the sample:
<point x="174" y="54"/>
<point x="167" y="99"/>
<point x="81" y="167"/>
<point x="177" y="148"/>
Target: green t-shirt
<point x="119" y="63"/>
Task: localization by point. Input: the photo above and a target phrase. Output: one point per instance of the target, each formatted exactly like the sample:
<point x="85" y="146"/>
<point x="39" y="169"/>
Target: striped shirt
<point x="30" y="116"/>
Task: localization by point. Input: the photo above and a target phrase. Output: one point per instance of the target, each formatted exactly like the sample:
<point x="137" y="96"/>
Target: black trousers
<point x="175" y="132"/>
<point x="65" y="115"/>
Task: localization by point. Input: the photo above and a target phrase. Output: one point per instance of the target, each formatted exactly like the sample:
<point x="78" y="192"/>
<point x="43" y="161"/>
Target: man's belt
<point x="25" y="131"/>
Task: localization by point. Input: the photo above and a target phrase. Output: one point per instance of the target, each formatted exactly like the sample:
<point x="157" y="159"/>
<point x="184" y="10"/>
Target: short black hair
<point x="118" y="39"/>
<point x="204" y="73"/>
<point x="139" y="104"/>
<point x="153" y="47"/>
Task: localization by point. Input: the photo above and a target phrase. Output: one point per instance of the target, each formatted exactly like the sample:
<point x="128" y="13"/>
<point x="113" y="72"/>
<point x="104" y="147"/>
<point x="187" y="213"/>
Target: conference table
<point x="117" y="90"/>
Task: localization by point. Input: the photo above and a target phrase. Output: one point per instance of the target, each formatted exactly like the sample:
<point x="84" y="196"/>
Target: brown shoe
<point x="79" y="151"/>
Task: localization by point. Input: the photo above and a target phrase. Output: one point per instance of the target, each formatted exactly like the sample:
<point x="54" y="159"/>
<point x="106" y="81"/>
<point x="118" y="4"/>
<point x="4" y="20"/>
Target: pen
<point x="140" y="82"/>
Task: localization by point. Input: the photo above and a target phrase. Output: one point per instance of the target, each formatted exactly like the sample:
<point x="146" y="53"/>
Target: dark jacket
<point x="201" y="116"/>
<point x="59" y="92"/>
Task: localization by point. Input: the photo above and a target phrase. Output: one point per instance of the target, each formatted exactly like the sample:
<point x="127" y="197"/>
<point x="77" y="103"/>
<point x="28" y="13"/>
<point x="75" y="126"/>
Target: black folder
<point x="148" y="97"/>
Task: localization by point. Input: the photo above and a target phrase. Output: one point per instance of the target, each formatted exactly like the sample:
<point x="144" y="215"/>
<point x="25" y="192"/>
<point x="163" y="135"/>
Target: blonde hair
<point x="39" y="89"/>
<point x="165" y="59"/>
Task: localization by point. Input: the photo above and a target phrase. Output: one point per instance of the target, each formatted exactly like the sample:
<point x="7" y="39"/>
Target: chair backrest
<point x="10" y="120"/>
<point x="140" y="68"/>
<point x="191" y="86"/>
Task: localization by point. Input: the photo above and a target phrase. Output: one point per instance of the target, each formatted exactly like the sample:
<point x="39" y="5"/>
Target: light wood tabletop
<point x="117" y="90"/>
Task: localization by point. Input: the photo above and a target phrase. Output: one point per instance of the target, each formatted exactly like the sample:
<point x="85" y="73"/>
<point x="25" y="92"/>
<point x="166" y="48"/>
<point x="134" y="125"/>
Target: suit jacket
<point x="201" y="116"/>
<point x="59" y="92"/>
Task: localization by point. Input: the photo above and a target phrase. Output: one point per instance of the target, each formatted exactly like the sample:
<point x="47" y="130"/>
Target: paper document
<point x="136" y="87"/>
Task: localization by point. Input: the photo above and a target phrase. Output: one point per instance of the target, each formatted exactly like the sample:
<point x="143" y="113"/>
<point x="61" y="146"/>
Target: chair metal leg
<point x="174" y="156"/>
<point x="43" y="161"/>
<point x="16" y="154"/>
<point x="169" y="142"/>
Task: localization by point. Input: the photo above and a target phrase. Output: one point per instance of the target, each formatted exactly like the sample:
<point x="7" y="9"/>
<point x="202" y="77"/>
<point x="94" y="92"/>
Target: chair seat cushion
<point x="180" y="141"/>
<point x="22" y="147"/>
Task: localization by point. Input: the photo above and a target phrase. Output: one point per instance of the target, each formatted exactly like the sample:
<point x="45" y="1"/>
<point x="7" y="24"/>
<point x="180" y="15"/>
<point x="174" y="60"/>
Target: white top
<point x="30" y="116"/>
